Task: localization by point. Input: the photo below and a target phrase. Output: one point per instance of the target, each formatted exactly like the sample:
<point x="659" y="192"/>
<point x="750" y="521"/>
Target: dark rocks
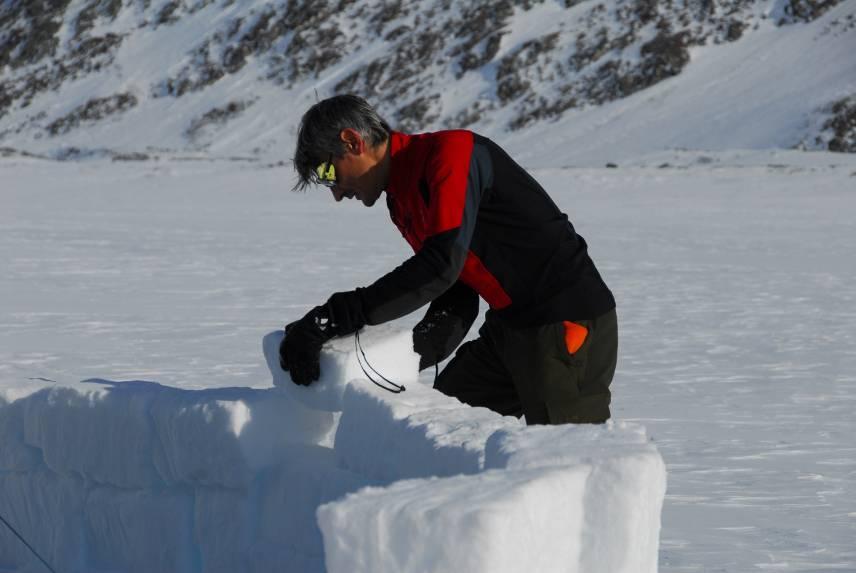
<point x="663" y="57"/>
<point x="842" y="126"/>
<point x="28" y="30"/>
<point x="806" y="10"/>
<point x="93" y="110"/>
<point x="417" y="113"/>
<point x="625" y="46"/>
<point x="217" y="116"/>
<point x="510" y="83"/>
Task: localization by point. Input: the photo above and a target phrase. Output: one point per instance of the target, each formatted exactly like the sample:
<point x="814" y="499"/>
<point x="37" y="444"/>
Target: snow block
<point x="604" y="514"/>
<point x="45" y="509"/>
<point x="287" y="538"/>
<point x="149" y="435"/>
<point x="15" y="455"/>
<point x="99" y="431"/>
<point x="494" y="522"/>
<point x="624" y="492"/>
<point x="222" y="529"/>
<point x="223" y="437"/>
<point x="139" y="530"/>
<point x="417" y="433"/>
<point x="388" y="351"/>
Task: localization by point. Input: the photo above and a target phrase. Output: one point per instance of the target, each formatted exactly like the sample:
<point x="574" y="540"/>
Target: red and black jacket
<point x="476" y="219"/>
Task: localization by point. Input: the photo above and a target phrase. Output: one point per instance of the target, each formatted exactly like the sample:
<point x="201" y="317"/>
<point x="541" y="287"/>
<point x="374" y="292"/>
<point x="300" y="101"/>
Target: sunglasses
<point x="325" y="174"/>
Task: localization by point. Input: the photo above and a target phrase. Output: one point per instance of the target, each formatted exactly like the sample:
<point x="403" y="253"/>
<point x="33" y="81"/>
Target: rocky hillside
<point x="231" y="76"/>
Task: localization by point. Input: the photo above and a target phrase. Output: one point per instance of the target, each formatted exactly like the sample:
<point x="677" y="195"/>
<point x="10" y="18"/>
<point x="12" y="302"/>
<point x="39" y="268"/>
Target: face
<point x="361" y="172"/>
<point x="357" y="177"/>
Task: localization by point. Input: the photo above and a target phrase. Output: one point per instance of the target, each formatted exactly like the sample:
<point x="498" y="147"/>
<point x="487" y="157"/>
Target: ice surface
<point x="388" y="353"/>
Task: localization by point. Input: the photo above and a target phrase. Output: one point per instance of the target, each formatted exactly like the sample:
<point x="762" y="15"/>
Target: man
<point x="479" y="225"/>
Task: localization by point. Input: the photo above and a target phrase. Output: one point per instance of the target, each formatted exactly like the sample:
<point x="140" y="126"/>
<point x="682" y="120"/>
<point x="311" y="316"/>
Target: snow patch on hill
<point x="226" y="78"/>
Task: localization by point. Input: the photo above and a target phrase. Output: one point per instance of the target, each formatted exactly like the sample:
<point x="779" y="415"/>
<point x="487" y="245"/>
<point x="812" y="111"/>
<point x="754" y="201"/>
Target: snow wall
<point x="341" y="476"/>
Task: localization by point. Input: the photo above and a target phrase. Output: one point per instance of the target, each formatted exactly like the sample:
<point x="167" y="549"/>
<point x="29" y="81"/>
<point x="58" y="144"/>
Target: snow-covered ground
<point x="730" y="257"/>
<point x="733" y="272"/>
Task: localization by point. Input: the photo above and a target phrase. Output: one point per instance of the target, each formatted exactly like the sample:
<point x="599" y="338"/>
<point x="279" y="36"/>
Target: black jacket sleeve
<point x="445" y="324"/>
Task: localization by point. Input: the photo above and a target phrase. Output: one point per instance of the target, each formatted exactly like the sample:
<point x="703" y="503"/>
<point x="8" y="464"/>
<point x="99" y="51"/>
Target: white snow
<point x="140" y="429"/>
<point x="155" y="283"/>
<point x="495" y="521"/>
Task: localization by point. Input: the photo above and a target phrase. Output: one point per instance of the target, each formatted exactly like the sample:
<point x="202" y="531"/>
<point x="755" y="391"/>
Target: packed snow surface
<point x="137" y="295"/>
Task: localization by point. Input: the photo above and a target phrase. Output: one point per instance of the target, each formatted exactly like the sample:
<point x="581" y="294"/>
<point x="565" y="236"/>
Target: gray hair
<point x="318" y="136"/>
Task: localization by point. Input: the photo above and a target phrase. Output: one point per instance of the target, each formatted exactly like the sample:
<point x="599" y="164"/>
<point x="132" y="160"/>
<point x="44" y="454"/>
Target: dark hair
<point x="321" y="125"/>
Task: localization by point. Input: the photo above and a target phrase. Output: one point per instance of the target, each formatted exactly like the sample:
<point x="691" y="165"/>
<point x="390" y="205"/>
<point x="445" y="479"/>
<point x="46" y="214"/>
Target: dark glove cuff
<point x="316" y="325"/>
<point x="345" y="312"/>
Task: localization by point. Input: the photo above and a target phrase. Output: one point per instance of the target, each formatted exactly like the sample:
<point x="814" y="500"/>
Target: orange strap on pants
<point x="575" y="335"/>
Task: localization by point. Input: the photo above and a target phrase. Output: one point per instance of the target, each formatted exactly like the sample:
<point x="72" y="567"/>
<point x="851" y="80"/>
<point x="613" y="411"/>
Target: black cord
<point x="396" y="388"/>
<point x="24" y="541"/>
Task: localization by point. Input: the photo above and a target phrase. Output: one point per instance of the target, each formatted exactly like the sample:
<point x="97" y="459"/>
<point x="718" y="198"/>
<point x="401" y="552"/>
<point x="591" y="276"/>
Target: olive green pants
<point x="531" y="372"/>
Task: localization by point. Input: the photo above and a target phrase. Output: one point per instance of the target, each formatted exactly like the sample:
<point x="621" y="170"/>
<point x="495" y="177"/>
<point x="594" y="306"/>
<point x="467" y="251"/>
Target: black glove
<point x="300" y="350"/>
<point x="446" y="323"/>
<point x="283" y="362"/>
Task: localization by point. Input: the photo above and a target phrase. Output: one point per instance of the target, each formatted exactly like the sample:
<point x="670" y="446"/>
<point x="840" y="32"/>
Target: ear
<point x="353" y="141"/>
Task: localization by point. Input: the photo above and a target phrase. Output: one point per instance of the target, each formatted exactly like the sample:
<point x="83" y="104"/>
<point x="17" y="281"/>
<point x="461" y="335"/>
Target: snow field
<point x="734" y="278"/>
<point x="135" y="476"/>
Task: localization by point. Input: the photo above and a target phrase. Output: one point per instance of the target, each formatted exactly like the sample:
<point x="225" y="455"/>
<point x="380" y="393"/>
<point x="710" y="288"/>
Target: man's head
<point x="344" y="132"/>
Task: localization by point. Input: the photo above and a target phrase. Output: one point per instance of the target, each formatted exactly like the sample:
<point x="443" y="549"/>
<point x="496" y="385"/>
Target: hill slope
<point x="231" y="78"/>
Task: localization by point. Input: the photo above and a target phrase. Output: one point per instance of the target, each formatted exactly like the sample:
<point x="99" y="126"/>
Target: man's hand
<point x="445" y="324"/>
<point x="300" y="350"/>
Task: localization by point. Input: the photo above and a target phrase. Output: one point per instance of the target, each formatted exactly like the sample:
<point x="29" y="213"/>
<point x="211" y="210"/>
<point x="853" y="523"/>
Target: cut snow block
<point x="222" y="437"/>
<point x="15" y="455"/>
<point x="388" y="352"/>
<point x="417" y="433"/>
<point x="139" y="530"/>
<point x="624" y="491"/>
<point x="222" y="529"/>
<point x="286" y="538"/>
<point x="494" y="522"/>
<point x="99" y="432"/>
<point x="45" y="508"/>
